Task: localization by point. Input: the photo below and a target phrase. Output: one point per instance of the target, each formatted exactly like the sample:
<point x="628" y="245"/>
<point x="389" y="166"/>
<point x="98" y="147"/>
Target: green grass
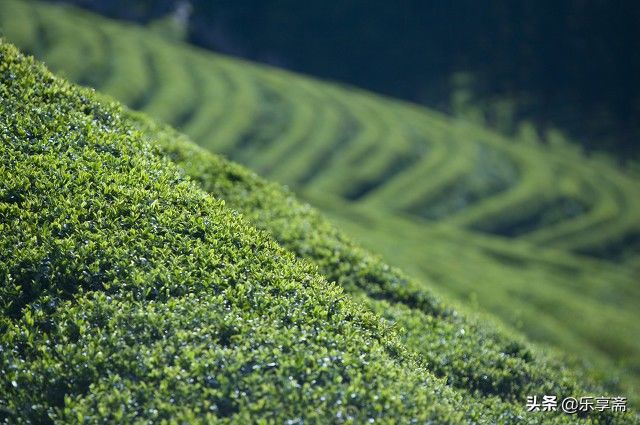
<point x="539" y="236"/>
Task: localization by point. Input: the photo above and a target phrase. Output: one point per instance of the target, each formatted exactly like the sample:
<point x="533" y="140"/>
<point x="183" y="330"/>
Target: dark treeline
<point x="571" y="64"/>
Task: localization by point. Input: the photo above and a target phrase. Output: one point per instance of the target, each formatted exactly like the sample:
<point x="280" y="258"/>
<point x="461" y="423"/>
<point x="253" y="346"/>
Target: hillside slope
<point x="320" y="138"/>
<point x="130" y="293"/>
<point x="540" y="236"/>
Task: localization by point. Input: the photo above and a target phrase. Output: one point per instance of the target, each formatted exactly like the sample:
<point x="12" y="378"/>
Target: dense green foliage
<point x="539" y="235"/>
<point x="130" y="294"/>
<point x="437" y="332"/>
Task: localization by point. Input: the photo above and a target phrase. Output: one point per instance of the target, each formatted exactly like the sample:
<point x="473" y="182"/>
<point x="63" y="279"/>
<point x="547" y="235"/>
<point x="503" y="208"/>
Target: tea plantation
<point x="144" y="277"/>
<point x="130" y="293"/>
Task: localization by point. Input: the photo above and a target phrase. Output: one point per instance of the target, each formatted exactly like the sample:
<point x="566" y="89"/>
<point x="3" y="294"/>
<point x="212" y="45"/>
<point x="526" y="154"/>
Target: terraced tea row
<point x="317" y="137"/>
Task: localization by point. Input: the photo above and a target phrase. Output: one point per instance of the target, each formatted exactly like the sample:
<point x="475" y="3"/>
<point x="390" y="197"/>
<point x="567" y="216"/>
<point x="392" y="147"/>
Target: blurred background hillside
<point x="517" y="66"/>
